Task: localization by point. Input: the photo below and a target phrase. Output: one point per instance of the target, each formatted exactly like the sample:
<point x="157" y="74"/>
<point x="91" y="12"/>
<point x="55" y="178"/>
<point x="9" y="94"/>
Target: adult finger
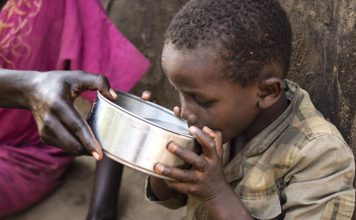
<point x="55" y="133"/>
<point x="188" y="156"/>
<point x="83" y="81"/>
<point x="78" y="127"/>
<point x="207" y="143"/>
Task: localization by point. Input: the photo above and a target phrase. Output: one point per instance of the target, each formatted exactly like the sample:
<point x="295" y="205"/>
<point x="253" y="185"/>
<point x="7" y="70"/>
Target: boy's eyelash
<point x="202" y="103"/>
<point x="206" y="104"/>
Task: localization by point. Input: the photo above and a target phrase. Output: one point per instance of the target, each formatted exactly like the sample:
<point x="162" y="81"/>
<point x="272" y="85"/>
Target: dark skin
<point x="217" y="111"/>
<point x="269" y="103"/>
<point x="50" y="97"/>
<point x="265" y="101"/>
<point x="61" y="125"/>
<point x="107" y="179"/>
<point x="2" y="3"/>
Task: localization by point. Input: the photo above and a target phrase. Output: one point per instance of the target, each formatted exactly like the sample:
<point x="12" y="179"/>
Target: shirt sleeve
<point x="321" y="182"/>
<point x="173" y="203"/>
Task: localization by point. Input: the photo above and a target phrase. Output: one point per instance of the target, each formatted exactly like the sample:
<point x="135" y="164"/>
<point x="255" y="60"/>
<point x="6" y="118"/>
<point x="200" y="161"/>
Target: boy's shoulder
<point x="306" y="130"/>
<point x="308" y="123"/>
<point x="300" y="128"/>
<point x="305" y="122"/>
<point x="304" y="151"/>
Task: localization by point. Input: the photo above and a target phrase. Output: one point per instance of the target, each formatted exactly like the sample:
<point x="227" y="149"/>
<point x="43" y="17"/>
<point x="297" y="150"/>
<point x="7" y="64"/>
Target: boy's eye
<point x="202" y="101"/>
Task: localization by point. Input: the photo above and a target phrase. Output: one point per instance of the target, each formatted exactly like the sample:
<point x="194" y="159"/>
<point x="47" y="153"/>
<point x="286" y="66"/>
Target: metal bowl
<point x="135" y="132"/>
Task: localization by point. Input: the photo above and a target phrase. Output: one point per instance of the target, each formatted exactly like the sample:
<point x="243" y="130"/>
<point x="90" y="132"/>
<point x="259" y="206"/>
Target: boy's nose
<point x="188" y="115"/>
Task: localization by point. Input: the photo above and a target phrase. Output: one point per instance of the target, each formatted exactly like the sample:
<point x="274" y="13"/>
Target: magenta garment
<point x="46" y="35"/>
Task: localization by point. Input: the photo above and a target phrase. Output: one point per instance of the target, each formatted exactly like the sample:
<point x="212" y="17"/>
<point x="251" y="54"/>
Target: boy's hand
<point x="206" y="178"/>
<point x="148" y="96"/>
<point x="177" y="111"/>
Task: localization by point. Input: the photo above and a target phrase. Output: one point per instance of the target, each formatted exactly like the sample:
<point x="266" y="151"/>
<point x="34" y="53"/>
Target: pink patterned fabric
<point x="46" y="35"/>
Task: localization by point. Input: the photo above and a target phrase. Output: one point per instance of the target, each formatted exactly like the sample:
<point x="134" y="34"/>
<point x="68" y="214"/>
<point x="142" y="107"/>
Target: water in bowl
<point x="170" y="126"/>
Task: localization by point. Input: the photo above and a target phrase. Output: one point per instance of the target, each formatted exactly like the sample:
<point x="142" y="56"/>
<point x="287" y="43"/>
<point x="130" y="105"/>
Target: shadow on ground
<point x="71" y="200"/>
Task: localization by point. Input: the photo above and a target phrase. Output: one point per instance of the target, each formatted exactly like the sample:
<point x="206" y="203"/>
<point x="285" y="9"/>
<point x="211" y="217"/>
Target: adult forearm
<point x="2" y="3"/>
<point x="226" y="205"/>
<point x="14" y="85"/>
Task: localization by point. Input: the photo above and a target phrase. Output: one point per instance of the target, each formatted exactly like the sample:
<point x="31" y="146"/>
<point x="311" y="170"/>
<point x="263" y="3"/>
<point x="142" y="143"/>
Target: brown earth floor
<point x="71" y="200"/>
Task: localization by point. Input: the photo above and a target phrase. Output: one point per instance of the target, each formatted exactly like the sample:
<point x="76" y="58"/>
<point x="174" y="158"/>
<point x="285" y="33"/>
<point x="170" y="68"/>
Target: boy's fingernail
<point x="113" y="93"/>
<point x="96" y="155"/>
<point x="195" y="131"/>
<point x="146" y="93"/>
<point x="159" y="168"/>
<point x="172" y="146"/>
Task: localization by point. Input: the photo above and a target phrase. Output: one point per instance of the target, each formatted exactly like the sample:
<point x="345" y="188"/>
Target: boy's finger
<point x="181" y="175"/>
<point x="177" y="111"/>
<point x="148" y="96"/>
<point x="217" y="136"/>
<point x="207" y="143"/>
<point x="188" y="156"/>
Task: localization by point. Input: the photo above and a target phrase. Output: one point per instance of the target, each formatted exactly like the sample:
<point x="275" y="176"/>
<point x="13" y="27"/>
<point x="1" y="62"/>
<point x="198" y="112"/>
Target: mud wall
<point x="324" y="59"/>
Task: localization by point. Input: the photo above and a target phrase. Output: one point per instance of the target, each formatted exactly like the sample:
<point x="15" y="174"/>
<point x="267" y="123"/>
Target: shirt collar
<point x="234" y="169"/>
<point x="265" y="138"/>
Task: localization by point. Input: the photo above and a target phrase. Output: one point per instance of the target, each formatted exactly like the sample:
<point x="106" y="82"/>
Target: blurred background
<point x="324" y="63"/>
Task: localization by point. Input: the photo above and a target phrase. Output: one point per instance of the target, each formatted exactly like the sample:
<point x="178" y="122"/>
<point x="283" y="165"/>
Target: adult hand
<point x="206" y="178"/>
<point x="50" y="99"/>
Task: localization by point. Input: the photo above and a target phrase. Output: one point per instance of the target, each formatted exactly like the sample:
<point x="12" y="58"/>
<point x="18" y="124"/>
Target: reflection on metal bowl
<point x="135" y="132"/>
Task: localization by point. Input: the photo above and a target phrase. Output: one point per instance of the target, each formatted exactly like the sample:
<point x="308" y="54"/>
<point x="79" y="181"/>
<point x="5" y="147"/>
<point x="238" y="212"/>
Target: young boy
<point x="282" y="160"/>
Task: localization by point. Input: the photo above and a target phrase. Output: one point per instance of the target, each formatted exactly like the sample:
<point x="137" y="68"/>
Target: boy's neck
<point x="266" y="117"/>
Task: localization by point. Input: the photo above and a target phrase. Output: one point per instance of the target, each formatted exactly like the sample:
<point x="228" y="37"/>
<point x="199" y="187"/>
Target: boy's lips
<point x="195" y="125"/>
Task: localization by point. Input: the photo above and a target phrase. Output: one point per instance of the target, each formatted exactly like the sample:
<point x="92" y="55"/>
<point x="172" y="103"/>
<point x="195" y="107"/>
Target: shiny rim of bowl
<point x="117" y="107"/>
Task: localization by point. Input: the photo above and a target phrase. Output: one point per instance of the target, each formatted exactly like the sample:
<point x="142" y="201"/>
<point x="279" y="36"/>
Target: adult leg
<point x="28" y="174"/>
<point x="104" y="201"/>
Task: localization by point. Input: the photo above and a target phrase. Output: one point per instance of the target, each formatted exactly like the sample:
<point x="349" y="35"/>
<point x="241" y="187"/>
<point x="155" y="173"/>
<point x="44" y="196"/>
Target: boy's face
<point x="206" y="98"/>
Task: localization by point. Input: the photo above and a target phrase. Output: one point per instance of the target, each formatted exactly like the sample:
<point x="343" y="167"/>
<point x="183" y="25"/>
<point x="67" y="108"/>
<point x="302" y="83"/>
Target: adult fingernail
<point x="113" y="93"/>
<point x="96" y="155"/>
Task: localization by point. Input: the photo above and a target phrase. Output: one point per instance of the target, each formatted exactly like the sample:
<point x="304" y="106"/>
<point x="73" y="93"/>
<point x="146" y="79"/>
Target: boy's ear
<point x="270" y="90"/>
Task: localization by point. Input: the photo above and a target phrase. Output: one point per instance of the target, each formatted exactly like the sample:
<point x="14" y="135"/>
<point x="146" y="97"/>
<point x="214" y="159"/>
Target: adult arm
<point x="2" y="3"/>
<point x="50" y="96"/>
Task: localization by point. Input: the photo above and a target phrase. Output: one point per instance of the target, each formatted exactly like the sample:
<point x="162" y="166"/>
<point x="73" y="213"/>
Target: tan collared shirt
<point x="299" y="167"/>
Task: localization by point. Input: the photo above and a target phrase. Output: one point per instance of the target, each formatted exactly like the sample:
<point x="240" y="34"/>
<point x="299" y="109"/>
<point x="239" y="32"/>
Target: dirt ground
<point x="71" y="200"/>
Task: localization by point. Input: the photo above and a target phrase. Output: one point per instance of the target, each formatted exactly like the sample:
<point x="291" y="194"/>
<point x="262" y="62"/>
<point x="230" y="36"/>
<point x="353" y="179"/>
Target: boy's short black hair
<point x="252" y="33"/>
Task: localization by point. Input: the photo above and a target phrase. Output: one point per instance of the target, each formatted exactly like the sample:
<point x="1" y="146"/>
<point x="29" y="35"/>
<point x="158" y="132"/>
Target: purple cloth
<point x="46" y="35"/>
